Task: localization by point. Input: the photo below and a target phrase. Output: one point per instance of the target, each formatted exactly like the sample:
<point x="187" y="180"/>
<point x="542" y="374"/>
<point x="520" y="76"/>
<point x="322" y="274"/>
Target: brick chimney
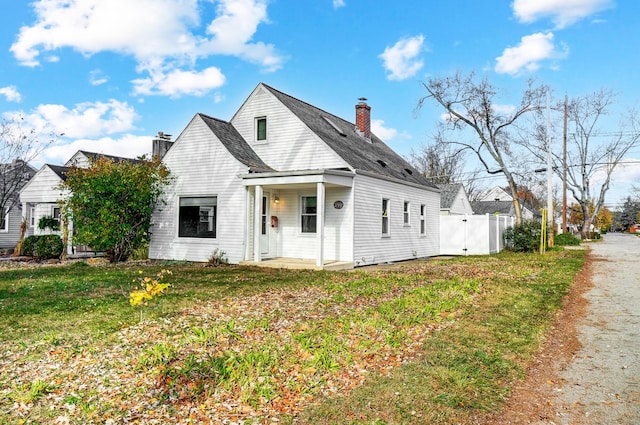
<point x="363" y="118"/>
<point x="161" y="144"/>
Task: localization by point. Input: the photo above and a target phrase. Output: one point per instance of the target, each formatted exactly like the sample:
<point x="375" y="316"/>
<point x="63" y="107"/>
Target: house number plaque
<point x="338" y="205"/>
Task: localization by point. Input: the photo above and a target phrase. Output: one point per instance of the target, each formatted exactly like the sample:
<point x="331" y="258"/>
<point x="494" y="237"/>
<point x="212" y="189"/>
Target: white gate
<point x="473" y="234"/>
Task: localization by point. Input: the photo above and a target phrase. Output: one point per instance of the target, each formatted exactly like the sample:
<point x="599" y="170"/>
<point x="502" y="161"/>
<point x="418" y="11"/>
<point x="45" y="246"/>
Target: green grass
<point x="440" y="341"/>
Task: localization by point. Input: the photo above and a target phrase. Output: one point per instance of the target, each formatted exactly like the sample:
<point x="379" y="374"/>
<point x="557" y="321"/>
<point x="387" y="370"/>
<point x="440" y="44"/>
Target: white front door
<point x="264" y="224"/>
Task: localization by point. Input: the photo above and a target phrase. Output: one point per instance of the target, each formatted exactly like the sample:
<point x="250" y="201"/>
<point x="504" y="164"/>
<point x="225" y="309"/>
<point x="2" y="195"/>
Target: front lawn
<point x="426" y="342"/>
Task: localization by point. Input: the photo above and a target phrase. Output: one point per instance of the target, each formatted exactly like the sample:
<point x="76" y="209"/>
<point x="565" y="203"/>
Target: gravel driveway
<point x="601" y="384"/>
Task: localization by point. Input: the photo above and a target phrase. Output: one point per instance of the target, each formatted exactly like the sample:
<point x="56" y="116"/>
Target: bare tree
<point x="593" y="153"/>
<point x="18" y="147"/>
<point x="471" y="105"/>
<point x="440" y="162"/>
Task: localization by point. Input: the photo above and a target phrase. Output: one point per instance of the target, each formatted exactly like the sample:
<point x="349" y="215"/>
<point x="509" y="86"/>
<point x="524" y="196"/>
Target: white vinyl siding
<point x="403" y="242"/>
<point x="201" y="167"/>
<point x="338" y="236"/>
<point x="293" y="146"/>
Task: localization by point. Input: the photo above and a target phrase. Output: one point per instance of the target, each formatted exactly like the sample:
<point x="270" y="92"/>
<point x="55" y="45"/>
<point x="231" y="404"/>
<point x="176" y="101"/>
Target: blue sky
<point x="111" y="74"/>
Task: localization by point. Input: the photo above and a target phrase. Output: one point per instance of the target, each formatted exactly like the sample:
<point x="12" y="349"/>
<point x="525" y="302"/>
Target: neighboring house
<point x="499" y="202"/>
<point x="454" y="200"/>
<point x="40" y="197"/>
<point x="14" y="176"/>
<point x="285" y="179"/>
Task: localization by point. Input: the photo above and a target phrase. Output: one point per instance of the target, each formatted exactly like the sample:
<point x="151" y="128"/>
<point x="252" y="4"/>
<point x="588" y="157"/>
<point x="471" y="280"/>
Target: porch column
<point x="320" y="224"/>
<point x="247" y="223"/>
<point x="257" y="214"/>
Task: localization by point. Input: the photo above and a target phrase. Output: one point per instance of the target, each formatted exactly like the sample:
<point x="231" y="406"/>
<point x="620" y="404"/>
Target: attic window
<point x="408" y="171"/>
<point x="335" y="127"/>
<point x="381" y="162"/>
<point x="261" y="129"/>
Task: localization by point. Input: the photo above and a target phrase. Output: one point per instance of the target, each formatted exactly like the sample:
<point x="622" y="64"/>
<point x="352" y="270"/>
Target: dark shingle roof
<point x="116" y="159"/>
<point x="492" y="207"/>
<point x="235" y="144"/>
<point x="448" y="194"/>
<point x="60" y="171"/>
<point x="372" y="156"/>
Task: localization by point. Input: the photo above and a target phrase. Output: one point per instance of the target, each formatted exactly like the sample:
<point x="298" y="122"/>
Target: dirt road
<point x="601" y="384"/>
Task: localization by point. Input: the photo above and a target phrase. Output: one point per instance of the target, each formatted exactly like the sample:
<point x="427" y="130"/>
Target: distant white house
<point x="454" y="199"/>
<point x="40" y="197"/>
<point x="497" y="201"/>
<point x="284" y="179"/>
<point x="15" y="175"/>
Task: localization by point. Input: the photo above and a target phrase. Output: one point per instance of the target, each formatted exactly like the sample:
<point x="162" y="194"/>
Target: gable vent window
<point x="261" y="129"/>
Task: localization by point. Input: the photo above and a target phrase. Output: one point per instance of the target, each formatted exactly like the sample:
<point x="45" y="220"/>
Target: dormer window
<point x="261" y="129"/>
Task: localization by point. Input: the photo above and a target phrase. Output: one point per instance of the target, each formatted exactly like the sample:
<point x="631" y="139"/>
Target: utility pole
<point x="550" y="224"/>
<point x="564" y="168"/>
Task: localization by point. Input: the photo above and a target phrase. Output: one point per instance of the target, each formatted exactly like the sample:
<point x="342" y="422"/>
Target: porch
<point x="299" y="263"/>
<point x="299" y="214"/>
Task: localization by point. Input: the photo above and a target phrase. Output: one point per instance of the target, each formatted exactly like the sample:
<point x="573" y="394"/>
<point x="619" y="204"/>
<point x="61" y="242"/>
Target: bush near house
<point x="111" y="204"/>
<point x="43" y="247"/>
<point x="524" y="237"/>
<point x="566" y="239"/>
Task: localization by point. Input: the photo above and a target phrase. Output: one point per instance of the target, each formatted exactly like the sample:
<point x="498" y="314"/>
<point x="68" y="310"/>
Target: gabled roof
<point x="492" y="207"/>
<point x="361" y="154"/>
<point x="59" y="170"/>
<point x="95" y="155"/>
<point x="448" y="193"/>
<point x="235" y="144"/>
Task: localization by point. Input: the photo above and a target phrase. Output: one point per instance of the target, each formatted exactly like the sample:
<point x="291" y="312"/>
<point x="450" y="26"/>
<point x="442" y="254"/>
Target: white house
<point x="15" y="175"/>
<point x="499" y="202"/>
<point x="454" y="199"/>
<point x="40" y="197"/>
<point x="286" y="180"/>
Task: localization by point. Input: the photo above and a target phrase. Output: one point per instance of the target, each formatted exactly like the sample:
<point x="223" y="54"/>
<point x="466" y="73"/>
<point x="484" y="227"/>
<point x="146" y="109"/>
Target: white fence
<point x="473" y="234"/>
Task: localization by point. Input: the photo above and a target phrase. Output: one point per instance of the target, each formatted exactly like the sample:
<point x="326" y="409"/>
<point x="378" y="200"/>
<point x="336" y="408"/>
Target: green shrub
<point x="49" y="246"/>
<point x="48" y="222"/>
<point x="594" y="236"/>
<point x="29" y="246"/>
<point x="523" y="238"/>
<point x="564" y="239"/>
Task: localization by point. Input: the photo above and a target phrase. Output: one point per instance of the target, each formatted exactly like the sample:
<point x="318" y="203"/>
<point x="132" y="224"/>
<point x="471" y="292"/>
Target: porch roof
<point x="287" y="178"/>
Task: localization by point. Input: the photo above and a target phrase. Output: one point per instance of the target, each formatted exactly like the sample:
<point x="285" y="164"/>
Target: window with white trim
<point x="32" y="217"/>
<point x="406" y="213"/>
<point x="385" y="216"/>
<point x="261" y="129"/>
<point x="423" y="220"/>
<point x="197" y="217"/>
<point x="308" y="214"/>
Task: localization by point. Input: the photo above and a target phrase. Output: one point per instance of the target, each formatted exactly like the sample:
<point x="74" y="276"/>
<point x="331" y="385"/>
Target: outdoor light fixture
<point x="276" y="199"/>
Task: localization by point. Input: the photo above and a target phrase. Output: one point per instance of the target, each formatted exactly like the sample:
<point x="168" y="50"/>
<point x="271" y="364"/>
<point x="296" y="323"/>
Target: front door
<point x="264" y="224"/>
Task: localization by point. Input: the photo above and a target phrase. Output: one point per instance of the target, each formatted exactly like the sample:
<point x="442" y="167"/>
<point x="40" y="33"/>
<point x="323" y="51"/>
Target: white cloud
<point x="527" y="55"/>
<point x="562" y="13"/>
<point x="387" y="134"/>
<point x="401" y="60"/>
<point x="177" y="83"/>
<point x="378" y="128"/>
<point x="97" y="78"/>
<point x="167" y="34"/>
<point x="90" y="119"/>
<point x="11" y="93"/>
<point x="128" y="146"/>
<point x="337" y="4"/>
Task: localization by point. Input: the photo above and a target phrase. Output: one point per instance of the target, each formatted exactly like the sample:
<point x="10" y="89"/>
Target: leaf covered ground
<point x="244" y="345"/>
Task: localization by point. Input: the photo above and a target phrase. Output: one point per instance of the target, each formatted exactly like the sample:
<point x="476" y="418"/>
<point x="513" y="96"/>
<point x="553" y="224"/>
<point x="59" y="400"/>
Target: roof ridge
<point x="306" y="103"/>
